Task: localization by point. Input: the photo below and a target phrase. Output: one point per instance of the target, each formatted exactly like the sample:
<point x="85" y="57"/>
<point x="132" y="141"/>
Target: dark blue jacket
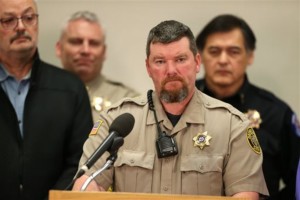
<point x="276" y="134"/>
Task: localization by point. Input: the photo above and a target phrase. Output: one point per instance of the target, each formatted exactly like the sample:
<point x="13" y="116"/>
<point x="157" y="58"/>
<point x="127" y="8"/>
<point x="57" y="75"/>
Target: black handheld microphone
<point x="120" y="127"/>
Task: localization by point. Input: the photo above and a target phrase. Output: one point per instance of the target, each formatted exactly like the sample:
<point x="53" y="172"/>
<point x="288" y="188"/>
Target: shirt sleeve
<point x="243" y="167"/>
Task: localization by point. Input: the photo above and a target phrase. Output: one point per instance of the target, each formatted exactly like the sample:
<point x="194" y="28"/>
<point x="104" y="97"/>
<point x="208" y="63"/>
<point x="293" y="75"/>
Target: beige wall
<point x="127" y="22"/>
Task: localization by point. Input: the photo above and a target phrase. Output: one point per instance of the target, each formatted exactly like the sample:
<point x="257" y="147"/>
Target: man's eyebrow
<point x="227" y="47"/>
<point x="158" y="57"/>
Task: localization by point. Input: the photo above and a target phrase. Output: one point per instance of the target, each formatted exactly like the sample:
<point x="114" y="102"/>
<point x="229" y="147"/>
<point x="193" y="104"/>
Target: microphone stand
<point x="110" y="161"/>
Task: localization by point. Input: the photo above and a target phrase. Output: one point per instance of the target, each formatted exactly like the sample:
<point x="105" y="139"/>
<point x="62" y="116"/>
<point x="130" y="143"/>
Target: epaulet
<point x="269" y="97"/>
<point x="130" y="91"/>
<point x="138" y="101"/>
<point x="265" y="93"/>
<point x="213" y="103"/>
<point x="114" y="82"/>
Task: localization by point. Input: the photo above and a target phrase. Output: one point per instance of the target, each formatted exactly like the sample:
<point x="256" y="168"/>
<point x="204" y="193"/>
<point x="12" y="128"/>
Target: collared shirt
<point x="16" y="91"/>
<point x="211" y="170"/>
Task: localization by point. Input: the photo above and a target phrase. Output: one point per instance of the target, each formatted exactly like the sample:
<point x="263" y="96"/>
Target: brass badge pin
<point x="99" y="103"/>
<point x="201" y="140"/>
<point x="252" y="141"/>
<point x="254" y="117"/>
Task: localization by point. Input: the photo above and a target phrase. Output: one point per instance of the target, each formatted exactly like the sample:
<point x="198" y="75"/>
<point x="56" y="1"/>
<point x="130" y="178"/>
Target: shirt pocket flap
<point x="201" y="163"/>
<point x="135" y="158"/>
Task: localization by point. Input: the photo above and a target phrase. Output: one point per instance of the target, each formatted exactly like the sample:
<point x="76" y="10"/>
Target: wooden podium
<point x="74" y="195"/>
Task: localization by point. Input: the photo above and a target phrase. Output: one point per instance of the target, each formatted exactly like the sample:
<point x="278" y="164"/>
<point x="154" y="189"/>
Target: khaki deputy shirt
<point x="229" y="162"/>
<point x="104" y="92"/>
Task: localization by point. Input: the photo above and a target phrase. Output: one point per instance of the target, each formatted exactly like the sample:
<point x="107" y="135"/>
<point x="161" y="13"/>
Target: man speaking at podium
<point x="183" y="141"/>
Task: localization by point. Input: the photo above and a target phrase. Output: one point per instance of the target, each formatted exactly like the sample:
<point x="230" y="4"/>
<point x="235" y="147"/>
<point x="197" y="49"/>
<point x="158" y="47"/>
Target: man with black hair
<point x="227" y="45"/>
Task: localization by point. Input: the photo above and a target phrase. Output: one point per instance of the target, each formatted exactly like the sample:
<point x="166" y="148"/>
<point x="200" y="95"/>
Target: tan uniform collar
<point x="195" y="110"/>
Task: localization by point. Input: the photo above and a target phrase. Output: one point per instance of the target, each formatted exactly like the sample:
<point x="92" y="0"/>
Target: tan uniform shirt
<point x="224" y="166"/>
<point x="104" y="92"/>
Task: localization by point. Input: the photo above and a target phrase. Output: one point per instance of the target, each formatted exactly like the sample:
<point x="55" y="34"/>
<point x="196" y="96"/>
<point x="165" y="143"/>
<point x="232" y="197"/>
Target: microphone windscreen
<point x="123" y="124"/>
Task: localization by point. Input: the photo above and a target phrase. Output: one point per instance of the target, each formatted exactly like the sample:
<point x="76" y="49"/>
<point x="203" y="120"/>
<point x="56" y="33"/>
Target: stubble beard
<point x="174" y="96"/>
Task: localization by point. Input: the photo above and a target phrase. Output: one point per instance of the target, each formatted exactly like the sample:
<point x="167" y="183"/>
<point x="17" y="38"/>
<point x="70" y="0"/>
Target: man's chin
<point x="173" y="96"/>
<point x="22" y="49"/>
<point x="82" y="72"/>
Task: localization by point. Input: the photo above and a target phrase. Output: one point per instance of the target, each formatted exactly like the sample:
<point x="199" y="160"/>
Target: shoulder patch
<point x="296" y="124"/>
<point x="96" y="127"/>
<point x="252" y="141"/>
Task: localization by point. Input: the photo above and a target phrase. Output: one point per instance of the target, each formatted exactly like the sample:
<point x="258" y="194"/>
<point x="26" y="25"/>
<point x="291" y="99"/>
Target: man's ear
<point x="58" y="49"/>
<point x="198" y="61"/>
<point x="250" y="58"/>
<point x="104" y="52"/>
<point x="148" y="67"/>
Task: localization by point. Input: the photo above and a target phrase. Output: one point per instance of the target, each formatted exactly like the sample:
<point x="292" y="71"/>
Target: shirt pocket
<point x="133" y="171"/>
<point x="202" y="175"/>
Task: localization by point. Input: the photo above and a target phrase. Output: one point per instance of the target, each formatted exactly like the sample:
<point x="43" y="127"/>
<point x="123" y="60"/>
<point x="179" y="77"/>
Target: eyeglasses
<point x="12" y="22"/>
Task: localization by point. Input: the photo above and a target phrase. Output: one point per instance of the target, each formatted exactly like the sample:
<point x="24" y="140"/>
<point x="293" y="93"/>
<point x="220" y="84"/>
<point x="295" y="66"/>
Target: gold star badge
<point x="254" y="117"/>
<point x="201" y="140"/>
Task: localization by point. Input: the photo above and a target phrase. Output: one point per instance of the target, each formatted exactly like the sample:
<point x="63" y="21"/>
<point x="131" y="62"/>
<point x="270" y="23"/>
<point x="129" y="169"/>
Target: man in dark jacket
<point x="45" y="115"/>
<point x="227" y="47"/>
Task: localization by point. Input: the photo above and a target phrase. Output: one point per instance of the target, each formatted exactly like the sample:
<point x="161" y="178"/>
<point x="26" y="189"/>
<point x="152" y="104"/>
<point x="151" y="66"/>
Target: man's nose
<point x="20" y="24"/>
<point x="223" y="58"/>
<point x="85" y="47"/>
<point x="171" y="68"/>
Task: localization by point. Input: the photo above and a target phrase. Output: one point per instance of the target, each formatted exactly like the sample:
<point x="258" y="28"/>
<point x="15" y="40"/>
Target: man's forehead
<point x="17" y="6"/>
<point x="229" y="46"/>
<point x="225" y="40"/>
<point x="159" y="53"/>
<point x="235" y="34"/>
<point x="84" y="27"/>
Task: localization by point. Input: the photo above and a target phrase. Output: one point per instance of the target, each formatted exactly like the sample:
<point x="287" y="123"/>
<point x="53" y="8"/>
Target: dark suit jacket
<point x="57" y="121"/>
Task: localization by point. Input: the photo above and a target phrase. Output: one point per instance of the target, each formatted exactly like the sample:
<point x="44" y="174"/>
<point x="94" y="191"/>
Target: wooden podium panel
<point x="77" y="195"/>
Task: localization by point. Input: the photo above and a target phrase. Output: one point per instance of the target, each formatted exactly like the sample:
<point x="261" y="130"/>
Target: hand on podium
<point x="93" y="186"/>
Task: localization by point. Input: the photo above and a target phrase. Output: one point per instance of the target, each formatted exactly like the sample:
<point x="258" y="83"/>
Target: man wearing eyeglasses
<point x="45" y="115"/>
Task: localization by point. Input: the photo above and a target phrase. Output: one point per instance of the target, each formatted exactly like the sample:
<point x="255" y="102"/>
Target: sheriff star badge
<point x="201" y="140"/>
